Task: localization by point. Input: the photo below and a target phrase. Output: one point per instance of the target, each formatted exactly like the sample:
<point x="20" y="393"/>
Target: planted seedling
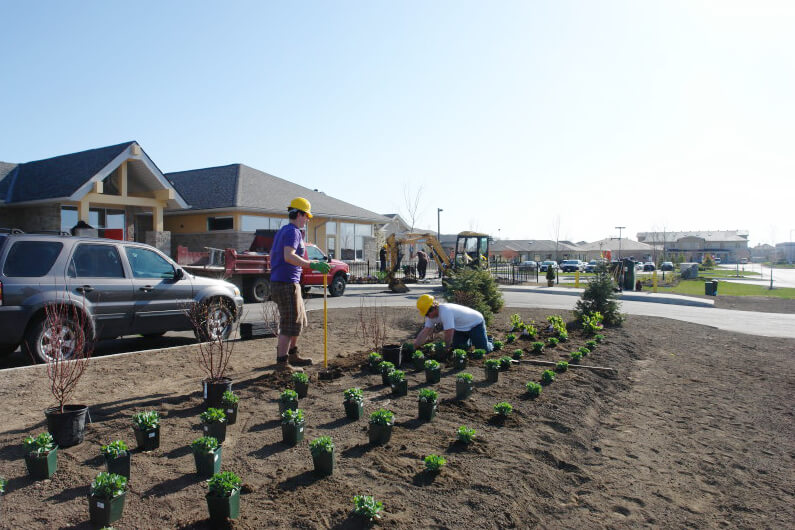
<point x="563" y="336"/>
<point x="537" y="347"/>
<point x="433" y="371"/>
<point x="466" y="435"/>
<point x="547" y="376"/>
<point x="516" y="322"/>
<point x="492" y="364"/>
<point x="498" y="345"/>
<point x="3" y="484"/>
<point x="510" y="339"/>
<point x="321" y="445"/>
<point x="465" y="377"/>
<point x="552" y="342"/>
<point x="460" y="355"/>
<point x="529" y="331"/>
<point x="229" y="398"/>
<point x="212" y="415"/>
<point x="300" y="377"/>
<point x="292" y="417"/>
<point x="288" y="396"/>
<point x="562" y="366"/>
<point x="592" y="323"/>
<point x="353" y="394"/>
<point x="533" y="389"/>
<point x="584" y="351"/>
<point x="397" y="376"/>
<point x="385" y="367"/>
<point x="367" y="507"/>
<point x="480" y="353"/>
<point x="503" y="409"/>
<point x="576" y="356"/>
<point x="382" y="417"/>
<point x="108" y="485"/>
<point x="418" y="360"/>
<point x="517" y="354"/>
<point x="114" y="449"/>
<point x="426" y="395"/>
<point x="224" y="484"/>
<point x="374" y="359"/>
<point x="434" y="463"/>
<point x="40" y="444"/>
<point x="204" y="445"/>
<point x="599" y="338"/>
<point x="144" y="421"/>
<point x="505" y="363"/>
<point x="408" y="348"/>
<point x="590" y="344"/>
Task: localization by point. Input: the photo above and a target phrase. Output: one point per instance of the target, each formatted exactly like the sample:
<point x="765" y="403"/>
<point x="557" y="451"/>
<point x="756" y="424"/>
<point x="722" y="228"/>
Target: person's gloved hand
<point x="320" y="266"/>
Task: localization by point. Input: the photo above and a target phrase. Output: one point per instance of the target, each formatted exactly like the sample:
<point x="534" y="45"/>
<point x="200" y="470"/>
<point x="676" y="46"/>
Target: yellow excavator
<point x="471" y="250"/>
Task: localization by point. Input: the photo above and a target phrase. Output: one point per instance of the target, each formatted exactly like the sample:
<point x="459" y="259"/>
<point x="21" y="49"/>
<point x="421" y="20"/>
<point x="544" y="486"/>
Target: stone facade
<point x="45" y="217"/>
<point x="159" y="240"/>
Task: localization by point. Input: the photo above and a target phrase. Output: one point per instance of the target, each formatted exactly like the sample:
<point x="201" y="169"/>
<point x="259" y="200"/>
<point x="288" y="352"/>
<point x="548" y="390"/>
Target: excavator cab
<point x="471" y="250"/>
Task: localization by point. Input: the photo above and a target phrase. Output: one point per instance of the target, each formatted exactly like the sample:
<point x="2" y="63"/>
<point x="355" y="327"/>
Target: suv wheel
<point x="50" y="340"/>
<point x="217" y="321"/>
<point x="337" y="286"/>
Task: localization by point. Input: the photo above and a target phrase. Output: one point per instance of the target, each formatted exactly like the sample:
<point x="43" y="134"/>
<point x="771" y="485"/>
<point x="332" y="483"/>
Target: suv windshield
<point x="31" y="259"/>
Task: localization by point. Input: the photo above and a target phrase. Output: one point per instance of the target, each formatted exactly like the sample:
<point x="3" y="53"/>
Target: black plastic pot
<point x="400" y="388"/>
<point x="301" y="389"/>
<point x="231" y="413"/>
<point x="119" y="465"/>
<point x="214" y="390"/>
<point x="147" y="440"/>
<point x="385" y="378"/>
<point x="379" y="434"/>
<point x="393" y="353"/>
<point x="41" y="467"/>
<point x="433" y="376"/>
<point x="105" y="511"/>
<point x="221" y="508"/>
<point x="292" y="433"/>
<point x="217" y="430"/>
<point x="353" y="409"/>
<point x="426" y="410"/>
<point x="419" y="364"/>
<point x="459" y="364"/>
<point x="492" y="376"/>
<point x="67" y="427"/>
<point x="324" y="463"/>
<point x="284" y="405"/>
<point x="463" y="389"/>
<point x="208" y="464"/>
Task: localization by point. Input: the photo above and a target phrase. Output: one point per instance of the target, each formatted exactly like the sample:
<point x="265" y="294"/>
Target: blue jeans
<point x="475" y="337"/>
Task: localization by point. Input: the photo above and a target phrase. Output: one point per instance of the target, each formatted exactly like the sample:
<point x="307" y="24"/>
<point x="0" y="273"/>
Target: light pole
<point x="619" y="228"/>
<point x="438" y="224"/>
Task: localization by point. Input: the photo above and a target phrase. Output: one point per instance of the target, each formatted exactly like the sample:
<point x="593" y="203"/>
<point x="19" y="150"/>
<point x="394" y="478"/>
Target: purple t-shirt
<point x="288" y="236"/>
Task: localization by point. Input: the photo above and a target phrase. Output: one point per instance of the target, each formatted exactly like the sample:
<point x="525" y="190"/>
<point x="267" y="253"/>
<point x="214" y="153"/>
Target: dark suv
<point x="111" y="288"/>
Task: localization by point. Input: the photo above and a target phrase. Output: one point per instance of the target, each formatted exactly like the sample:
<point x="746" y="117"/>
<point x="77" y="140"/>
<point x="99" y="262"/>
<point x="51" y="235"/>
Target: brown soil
<point x="696" y="430"/>
<point x="764" y="304"/>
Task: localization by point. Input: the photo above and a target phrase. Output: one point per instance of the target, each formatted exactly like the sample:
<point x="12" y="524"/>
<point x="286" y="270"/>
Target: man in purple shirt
<point x="287" y="262"/>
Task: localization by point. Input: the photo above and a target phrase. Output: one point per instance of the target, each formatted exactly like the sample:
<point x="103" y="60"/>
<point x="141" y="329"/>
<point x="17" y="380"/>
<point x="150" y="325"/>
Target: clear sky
<point x="513" y="117"/>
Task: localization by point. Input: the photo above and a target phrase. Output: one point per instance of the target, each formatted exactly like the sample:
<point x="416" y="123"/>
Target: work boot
<point x="283" y="365"/>
<point x="296" y="360"/>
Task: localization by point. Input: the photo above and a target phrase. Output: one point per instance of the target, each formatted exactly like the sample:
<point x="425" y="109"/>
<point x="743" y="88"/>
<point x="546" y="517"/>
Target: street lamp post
<point x="619" y="228"/>
<point x="439" y="233"/>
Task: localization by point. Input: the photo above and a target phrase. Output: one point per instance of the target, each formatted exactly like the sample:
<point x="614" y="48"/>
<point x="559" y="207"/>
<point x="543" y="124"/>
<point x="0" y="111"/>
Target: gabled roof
<point x="706" y="235"/>
<point x="612" y="244"/>
<point x="532" y="245"/>
<point x="242" y="187"/>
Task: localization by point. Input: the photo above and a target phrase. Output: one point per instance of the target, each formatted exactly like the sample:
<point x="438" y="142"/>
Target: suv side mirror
<point x="178" y="274"/>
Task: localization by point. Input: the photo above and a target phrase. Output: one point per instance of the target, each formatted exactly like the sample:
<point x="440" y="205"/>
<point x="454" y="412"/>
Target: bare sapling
<point x="215" y="348"/>
<point x="270" y="316"/>
<point x="372" y="325"/>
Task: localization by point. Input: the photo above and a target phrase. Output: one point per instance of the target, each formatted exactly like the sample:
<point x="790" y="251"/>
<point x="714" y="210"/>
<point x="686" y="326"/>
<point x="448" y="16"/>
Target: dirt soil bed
<point x="696" y="430"/>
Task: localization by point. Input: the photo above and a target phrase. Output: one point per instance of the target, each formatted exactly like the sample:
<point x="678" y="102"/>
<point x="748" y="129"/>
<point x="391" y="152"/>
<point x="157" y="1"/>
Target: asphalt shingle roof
<point x="59" y="176"/>
<point x="531" y="245"/>
<point x="241" y="186"/>
<point x="706" y="235"/>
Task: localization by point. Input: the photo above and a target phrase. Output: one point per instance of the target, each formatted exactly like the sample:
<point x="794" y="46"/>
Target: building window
<point x="110" y="186"/>
<point x="220" y="223"/>
<point x="68" y="218"/>
<point x="251" y="223"/>
<point x="351" y="240"/>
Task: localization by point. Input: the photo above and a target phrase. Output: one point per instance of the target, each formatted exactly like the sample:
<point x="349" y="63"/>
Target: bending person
<point x="463" y="326"/>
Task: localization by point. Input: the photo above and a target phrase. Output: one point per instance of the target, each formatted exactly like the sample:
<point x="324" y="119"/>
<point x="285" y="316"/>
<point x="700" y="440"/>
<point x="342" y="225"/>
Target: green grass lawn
<point x="729" y="289"/>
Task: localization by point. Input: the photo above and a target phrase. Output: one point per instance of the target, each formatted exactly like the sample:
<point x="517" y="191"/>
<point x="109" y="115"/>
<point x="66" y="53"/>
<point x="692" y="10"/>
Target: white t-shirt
<point x="454" y="316"/>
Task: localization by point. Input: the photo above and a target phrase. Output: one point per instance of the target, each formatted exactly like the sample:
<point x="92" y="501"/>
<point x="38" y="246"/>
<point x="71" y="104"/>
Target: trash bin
<point x="629" y="274"/>
<point x="711" y="287"/>
<point x="714" y="287"/>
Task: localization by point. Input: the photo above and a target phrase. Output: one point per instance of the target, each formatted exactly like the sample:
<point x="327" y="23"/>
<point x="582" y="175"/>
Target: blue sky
<point x="513" y="117"/>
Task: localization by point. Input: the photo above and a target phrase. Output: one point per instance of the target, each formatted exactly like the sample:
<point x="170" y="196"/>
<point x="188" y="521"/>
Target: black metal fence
<point x="367" y="271"/>
<point x="506" y="272"/>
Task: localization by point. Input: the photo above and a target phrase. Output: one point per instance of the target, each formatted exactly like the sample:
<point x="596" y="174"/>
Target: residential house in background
<point x="619" y="248"/>
<point x="518" y="250"/>
<point x="729" y="245"/>
<point x="117" y="190"/>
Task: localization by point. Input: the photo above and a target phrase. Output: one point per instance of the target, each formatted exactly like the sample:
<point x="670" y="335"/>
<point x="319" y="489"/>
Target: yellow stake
<point x="325" y="324"/>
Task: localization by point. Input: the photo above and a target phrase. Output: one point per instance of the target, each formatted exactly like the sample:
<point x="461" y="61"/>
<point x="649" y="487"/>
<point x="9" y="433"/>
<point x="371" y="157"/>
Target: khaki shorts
<point x="292" y="315"/>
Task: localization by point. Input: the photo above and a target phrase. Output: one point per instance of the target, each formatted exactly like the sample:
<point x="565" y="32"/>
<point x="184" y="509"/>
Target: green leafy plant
<point x="367" y="507"/>
<point x="321" y="445"/>
<point x="108" y="485"/>
<point x="599" y="338"/>
<point x="229" y="398"/>
<point x="547" y="376"/>
<point x="353" y="394"/>
<point x="292" y="417"/>
<point x="599" y="296"/>
<point x="3" y="484"/>
<point x="224" y="484"/>
<point x="300" y="377"/>
<point x="466" y="435"/>
<point x="516" y="322"/>
<point x="562" y="366"/>
<point x="505" y="362"/>
<point x="204" y="445"/>
<point x="40" y="444"/>
<point x="460" y="354"/>
<point x="517" y="354"/>
<point x="288" y="395"/>
<point x="590" y="344"/>
<point x="584" y="351"/>
<point x="374" y="359"/>
<point x="114" y="449"/>
<point x="478" y="353"/>
<point x="563" y="336"/>
<point x="464" y="376"/>
<point x="552" y="342"/>
<point x="212" y="415"/>
<point x="429" y="347"/>
<point x="396" y="376"/>
<point x="385" y="367"/>
<point x="382" y="417"/>
<point x="537" y="347"/>
<point x="439" y="346"/>
<point x="498" y="345"/>
<point x="418" y="355"/>
<point x="592" y="323"/>
<point x="434" y="463"/>
<point x="426" y="395"/>
<point x="510" y="338"/>
<point x="557" y="325"/>
<point x="432" y="365"/>
<point x="475" y="288"/>
<point x="407" y="348"/>
<point x="492" y="364"/>
<point x="503" y="408"/>
<point x="576" y="356"/>
<point x="533" y="389"/>
<point x="144" y="421"/>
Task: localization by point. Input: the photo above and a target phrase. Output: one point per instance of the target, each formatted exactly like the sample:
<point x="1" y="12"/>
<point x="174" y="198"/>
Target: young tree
<point x="411" y="203"/>
<point x="599" y="296"/>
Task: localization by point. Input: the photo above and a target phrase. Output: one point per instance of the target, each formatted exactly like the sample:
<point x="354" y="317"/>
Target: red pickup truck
<point x="251" y="270"/>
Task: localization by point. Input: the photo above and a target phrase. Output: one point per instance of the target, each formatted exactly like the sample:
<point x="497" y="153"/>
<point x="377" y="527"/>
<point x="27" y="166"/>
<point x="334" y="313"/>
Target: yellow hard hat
<point x="424" y="304"/>
<point x="299" y="203"/>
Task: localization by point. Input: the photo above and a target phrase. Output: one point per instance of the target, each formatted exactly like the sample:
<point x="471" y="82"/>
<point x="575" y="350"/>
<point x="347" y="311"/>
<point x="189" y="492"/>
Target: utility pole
<point x="619" y="228"/>
<point x="438" y="225"/>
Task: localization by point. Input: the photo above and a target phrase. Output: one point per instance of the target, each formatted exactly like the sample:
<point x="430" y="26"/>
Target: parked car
<point x="546" y="264"/>
<point x="649" y="266"/>
<point x="528" y="266"/>
<point x="572" y="265"/>
<point x="667" y="266"/>
<point x="112" y="288"/>
<point x="593" y="264"/>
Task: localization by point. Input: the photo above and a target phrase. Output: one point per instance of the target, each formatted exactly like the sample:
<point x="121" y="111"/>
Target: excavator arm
<point x="392" y="244"/>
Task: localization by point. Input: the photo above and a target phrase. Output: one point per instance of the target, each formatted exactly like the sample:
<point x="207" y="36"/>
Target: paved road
<point x="781" y="277"/>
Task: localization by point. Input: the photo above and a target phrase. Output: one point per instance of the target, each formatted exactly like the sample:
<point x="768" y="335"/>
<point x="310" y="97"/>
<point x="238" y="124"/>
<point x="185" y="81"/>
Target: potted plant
<point x="386" y="368"/>
<point x="393" y="353"/>
<point x="397" y="380"/>
<point x="550" y="276"/>
<point x="503" y="410"/>
<point x="301" y="383"/>
<point x="459" y="359"/>
<point x="230" y="402"/>
<point x="433" y="371"/>
<point x="41" y="456"/>
<point x="505" y="363"/>
<point x="575" y="357"/>
<point x="552" y="342"/>
<point x="117" y="458"/>
<point x="562" y="366"/>
<point x="367" y="508"/>
<point x="547" y="376"/>
<point x="223" y="496"/>
<point x="434" y="463"/>
<point x="418" y="360"/>
<point x="322" y="449"/>
<point x="492" y="368"/>
<point x="288" y="400"/>
<point x="466" y="435"/>
<point x="207" y="454"/>
<point x="146" y="426"/>
<point x="463" y="385"/>
<point x="478" y="353"/>
<point x="373" y="360"/>
<point x="427" y="403"/>
<point x="106" y="500"/>
<point x="381" y="422"/>
<point x="408" y="348"/>
<point x="533" y="389"/>
<point x="353" y="400"/>
<point x="214" y="423"/>
<point x="537" y="347"/>
<point x="498" y="345"/>
<point x="214" y="352"/>
<point x="517" y="354"/>
<point x="292" y="426"/>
